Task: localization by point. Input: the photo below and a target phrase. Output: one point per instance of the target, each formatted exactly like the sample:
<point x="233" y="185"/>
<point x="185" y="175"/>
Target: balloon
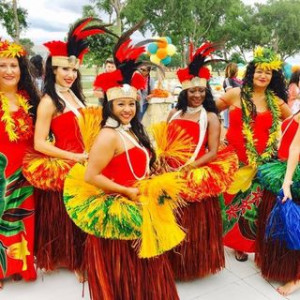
<point x="166" y="60"/>
<point x="161" y="53"/>
<point x="168" y="40"/>
<point x="171" y="49"/>
<point x="154" y="59"/>
<point x="162" y="43"/>
<point x="152" y="48"/>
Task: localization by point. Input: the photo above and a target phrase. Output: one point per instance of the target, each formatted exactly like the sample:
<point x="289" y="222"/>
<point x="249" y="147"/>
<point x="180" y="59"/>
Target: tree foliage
<point x="7" y="19"/>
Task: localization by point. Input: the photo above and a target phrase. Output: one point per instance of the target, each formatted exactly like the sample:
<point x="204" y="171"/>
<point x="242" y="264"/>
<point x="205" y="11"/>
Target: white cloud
<point x="49" y="19"/>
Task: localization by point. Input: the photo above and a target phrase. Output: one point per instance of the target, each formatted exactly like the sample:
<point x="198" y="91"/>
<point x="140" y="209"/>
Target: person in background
<point x="18" y="97"/>
<point x="294" y="92"/>
<point x="109" y="67"/>
<point x="145" y="93"/>
<point x="37" y="70"/>
<point x="230" y="82"/>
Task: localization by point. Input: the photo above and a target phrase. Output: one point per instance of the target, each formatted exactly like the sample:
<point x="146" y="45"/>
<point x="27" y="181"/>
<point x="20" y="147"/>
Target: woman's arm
<point x="229" y="98"/>
<point x="294" y="153"/>
<point x="45" y="112"/>
<point x="214" y="129"/>
<point x="101" y="154"/>
<point x="284" y="110"/>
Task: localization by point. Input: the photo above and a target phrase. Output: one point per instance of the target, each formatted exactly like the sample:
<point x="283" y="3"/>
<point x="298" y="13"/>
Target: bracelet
<point x="288" y="183"/>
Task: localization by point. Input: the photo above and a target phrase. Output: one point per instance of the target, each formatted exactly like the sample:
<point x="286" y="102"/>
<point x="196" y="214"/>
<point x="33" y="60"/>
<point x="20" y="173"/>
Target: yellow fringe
<point x="172" y="142"/>
<point x="89" y="124"/>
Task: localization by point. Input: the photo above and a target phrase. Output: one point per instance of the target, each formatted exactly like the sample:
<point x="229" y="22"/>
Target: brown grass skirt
<point x="275" y="260"/>
<point x="202" y="251"/>
<point x="115" y="272"/>
<point x="59" y="243"/>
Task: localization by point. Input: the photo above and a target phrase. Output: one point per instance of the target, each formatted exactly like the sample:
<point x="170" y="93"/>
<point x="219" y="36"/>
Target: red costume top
<point x="67" y="133"/>
<point x="192" y="128"/>
<point x="118" y="168"/>
<point x="261" y="126"/>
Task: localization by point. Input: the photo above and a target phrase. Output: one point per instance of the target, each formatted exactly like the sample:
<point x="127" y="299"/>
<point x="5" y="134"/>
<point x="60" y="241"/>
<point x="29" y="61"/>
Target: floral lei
<point x="254" y="158"/>
<point x="20" y="127"/>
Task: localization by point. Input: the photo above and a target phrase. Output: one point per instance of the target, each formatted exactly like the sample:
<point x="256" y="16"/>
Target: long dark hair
<point x="27" y="84"/>
<point x="277" y="86"/>
<point x="136" y="126"/>
<point x="49" y="86"/>
<point x="295" y="78"/>
<point x="208" y="103"/>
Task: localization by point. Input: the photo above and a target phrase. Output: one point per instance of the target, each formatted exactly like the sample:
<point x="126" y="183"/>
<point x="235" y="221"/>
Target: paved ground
<point x="238" y="281"/>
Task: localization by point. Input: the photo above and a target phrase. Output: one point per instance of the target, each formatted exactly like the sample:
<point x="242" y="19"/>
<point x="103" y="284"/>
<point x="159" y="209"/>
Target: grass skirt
<point x="275" y="260"/>
<point x="116" y="272"/>
<point x="58" y="241"/>
<point x="202" y="252"/>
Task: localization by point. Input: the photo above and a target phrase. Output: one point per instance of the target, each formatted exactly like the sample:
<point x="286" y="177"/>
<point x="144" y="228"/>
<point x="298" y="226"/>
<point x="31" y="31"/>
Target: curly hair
<point x="27" y="84"/>
<point x="208" y="103"/>
<point x="277" y="86"/>
<point x="136" y="126"/>
<point x="49" y="86"/>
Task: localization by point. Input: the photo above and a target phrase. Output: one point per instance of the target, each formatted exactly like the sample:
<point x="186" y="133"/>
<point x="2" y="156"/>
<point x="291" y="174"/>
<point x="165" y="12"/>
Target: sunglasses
<point x="143" y="70"/>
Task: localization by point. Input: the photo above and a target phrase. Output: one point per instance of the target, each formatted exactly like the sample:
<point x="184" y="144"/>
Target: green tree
<point x="100" y="45"/>
<point x="112" y="7"/>
<point x="281" y="20"/>
<point x="13" y="18"/>
<point x="27" y="44"/>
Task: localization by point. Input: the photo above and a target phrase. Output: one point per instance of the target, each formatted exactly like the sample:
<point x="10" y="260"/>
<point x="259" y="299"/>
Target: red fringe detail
<point x="115" y="272"/>
<point x="57" y="48"/>
<point x="202" y="252"/>
<point x="106" y="81"/>
<point x="275" y="260"/>
<point x="138" y="81"/>
<point x="204" y="73"/>
<point x="58" y="241"/>
<point x="184" y="74"/>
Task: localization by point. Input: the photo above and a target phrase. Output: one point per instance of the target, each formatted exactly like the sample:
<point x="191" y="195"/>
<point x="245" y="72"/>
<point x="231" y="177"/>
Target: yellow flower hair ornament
<point x="266" y="58"/>
<point x="11" y="49"/>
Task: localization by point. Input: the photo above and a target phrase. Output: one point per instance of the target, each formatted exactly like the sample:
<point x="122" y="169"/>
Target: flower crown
<point x="266" y="58"/>
<point x="11" y="49"/>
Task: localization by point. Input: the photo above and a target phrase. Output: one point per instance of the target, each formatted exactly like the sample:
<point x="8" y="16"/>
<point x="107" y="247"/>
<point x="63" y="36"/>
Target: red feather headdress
<point x="196" y="73"/>
<point x="71" y="52"/>
<point x="125" y="81"/>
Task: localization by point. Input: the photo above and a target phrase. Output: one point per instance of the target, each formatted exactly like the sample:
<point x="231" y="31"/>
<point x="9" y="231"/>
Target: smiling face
<point x="124" y="109"/>
<point x="262" y="77"/>
<point x="196" y="96"/>
<point x="10" y="73"/>
<point x="65" y="76"/>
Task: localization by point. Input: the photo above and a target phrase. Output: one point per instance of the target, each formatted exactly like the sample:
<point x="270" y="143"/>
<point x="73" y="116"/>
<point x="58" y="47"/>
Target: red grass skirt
<point x="59" y="243"/>
<point x="116" y="272"/>
<point x="202" y="251"/>
<point x="275" y="260"/>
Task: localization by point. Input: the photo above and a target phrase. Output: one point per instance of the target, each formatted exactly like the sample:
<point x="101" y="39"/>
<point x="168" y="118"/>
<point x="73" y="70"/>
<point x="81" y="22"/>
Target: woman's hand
<point x="132" y="193"/>
<point x="79" y="157"/>
<point x="188" y="167"/>
<point x="286" y="187"/>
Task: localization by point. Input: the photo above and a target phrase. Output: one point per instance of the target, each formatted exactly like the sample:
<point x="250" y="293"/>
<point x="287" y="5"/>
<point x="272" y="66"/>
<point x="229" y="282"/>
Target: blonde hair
<point x="231" y="70"/>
